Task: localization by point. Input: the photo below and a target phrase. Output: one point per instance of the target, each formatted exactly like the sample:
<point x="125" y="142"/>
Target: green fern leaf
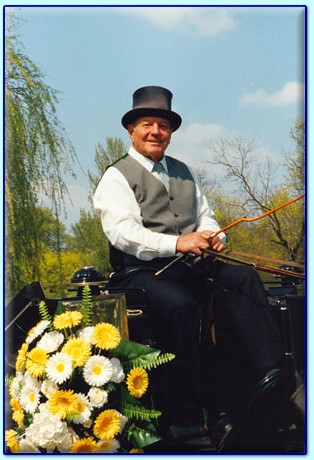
<point x="149" y="364"/>
<point x="44" y="312"/>
<point x="87" y="306"/>
<point x="140" y="413"/>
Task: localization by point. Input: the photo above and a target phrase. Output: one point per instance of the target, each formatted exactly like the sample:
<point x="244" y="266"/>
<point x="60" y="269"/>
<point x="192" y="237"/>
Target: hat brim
<point x="174" y="119"/>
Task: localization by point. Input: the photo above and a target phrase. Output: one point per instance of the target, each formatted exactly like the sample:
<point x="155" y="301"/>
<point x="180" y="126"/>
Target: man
<point x="150" y="216"/>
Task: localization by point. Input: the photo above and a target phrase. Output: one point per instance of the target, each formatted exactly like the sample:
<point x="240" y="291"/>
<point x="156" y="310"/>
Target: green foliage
<point x="105" y="156"/>
<point x="137" y="355"/>
<point x="141" y="437"/>
<point x="89" y="240"/>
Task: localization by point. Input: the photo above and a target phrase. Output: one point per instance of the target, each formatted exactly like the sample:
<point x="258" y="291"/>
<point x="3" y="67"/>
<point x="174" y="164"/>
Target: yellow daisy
<point x="36" y="362"/>
<point x="67" y="319"/>
<point x="137" y="382"/>
<point x="78" y="349"/>
<point x="21" y="357"/>
<point x="106" y="336"/>
<point x="84" y="445"/>
<point x="11" y="441"/>
<point x="63" y="403"/>
<point x="17" y="412"/>
<point x="136" y="451"/>
<point x="107" y="424"/>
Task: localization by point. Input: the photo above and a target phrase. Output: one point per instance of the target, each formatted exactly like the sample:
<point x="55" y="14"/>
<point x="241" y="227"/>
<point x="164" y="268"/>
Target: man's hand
<point x="197" y="242"/>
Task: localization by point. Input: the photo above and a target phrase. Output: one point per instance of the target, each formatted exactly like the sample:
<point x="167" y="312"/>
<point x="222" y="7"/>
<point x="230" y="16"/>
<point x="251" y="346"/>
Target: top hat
<point x="152" y="101"/>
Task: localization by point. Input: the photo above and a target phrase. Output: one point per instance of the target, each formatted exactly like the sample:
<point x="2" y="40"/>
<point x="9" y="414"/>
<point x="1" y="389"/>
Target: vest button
<point x="176" y="215"/>
<point x="171" y="198"/>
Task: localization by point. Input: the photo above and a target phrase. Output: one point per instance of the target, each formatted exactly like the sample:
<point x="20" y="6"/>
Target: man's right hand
<point x="197" y="242"/>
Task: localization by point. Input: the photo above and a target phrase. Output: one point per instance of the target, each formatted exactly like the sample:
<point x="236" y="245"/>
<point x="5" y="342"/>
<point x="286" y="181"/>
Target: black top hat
<point x="152" y="101"/>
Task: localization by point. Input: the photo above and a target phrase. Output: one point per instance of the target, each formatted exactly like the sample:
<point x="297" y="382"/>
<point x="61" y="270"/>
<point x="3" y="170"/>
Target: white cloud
<point x="198" y="21"/>
<point x="291" y="93"/>
<point x="191" y="144"/>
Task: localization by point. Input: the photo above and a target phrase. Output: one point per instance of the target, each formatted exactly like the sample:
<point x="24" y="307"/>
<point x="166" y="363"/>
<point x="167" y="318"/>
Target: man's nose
<point x="155" y="128"/>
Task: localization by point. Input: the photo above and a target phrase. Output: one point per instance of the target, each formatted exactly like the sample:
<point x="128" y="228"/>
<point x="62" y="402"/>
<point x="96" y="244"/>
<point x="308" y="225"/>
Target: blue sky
<point x="232" y="70"/>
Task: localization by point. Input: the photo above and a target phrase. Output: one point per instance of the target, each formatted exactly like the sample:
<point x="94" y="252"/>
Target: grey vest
<point x="172" y="213"/>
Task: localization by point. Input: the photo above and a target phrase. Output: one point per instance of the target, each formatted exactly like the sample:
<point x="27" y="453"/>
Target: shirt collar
<point x="146" y="162"/>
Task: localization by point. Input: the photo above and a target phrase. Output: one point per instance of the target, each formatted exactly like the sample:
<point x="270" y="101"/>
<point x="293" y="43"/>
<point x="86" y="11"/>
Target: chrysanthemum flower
<point x="51" y="341"/>
<point x="37" y="330"/>
<point x="97" y="370"/>
<point x="28" y="447"/>
<point x="59" y="367"/>
<point x="63" y="403"/>
<point x="106" y="336"/>
<point x="85" y="445"/>
<point x="137" y="382"/>
<point x="108" y="445"/>
<point x="36" y="362"/>
<point x="11" y="441"/>
<point x="29" y="398"/>
<point x="97" y="397"/>
<point x="21" y="358"/>
<point x="67" y="319"/>
<point x="78" y="349"/>
<point x="118" y="372"/>
<point x="48" y="387"/>
<point x="47" y="431"/>
<point x="86" y="333"/>
<point x="107" y="424"/>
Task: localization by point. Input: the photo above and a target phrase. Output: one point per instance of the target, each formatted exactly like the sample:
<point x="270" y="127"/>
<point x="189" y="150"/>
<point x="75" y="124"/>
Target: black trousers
<point x="181" y="302"/>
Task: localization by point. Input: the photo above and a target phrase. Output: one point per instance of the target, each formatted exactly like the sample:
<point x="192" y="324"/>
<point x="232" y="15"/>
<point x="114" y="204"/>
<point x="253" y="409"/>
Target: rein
<point x="260" y="267"/>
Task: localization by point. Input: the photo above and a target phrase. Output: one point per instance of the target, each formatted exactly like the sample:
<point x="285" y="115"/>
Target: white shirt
<point x="121" y="217"/>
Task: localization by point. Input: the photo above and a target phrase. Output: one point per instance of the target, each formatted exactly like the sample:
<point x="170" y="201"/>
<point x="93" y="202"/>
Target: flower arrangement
<point x="81" y="388"/>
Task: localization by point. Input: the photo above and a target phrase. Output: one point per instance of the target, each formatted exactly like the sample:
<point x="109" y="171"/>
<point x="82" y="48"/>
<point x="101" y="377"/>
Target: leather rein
<point x="257" y="266"/>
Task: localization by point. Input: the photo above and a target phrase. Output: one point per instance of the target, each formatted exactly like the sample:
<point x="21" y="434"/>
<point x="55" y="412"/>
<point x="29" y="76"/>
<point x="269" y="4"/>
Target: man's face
<point x="150" y="136"/>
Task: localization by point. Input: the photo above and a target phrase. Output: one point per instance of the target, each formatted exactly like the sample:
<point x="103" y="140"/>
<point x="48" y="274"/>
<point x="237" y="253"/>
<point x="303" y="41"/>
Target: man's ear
<point x="130" y="129"/>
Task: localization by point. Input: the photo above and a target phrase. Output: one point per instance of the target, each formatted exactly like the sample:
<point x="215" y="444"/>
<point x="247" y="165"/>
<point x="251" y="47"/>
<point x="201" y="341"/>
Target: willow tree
<point x="37" y="154"/>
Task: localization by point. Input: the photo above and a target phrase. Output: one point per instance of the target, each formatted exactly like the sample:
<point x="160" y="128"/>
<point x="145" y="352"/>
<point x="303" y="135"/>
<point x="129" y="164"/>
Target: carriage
<point x="128" y="311"/>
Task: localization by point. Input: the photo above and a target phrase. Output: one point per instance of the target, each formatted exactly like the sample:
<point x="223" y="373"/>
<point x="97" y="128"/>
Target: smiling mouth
<point x="155" y="142"/>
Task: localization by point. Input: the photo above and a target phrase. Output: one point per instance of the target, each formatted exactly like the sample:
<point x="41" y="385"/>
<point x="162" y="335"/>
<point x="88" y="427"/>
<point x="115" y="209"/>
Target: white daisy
<point x="118" y="374"/>
<point x="97" y="370"/>
<point x="86" y="333"/>
<point x="59" y="367"/>
<point x="16" y="385"/>
<point x="110" y="445"/>
<point x="37" y="330"/>
<point x="29" y="398"/>
<point x="84" y="409"/>
<point x="48" y="388"/>
<point x="97" y="397"/>
<point x="50" y="341"/>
